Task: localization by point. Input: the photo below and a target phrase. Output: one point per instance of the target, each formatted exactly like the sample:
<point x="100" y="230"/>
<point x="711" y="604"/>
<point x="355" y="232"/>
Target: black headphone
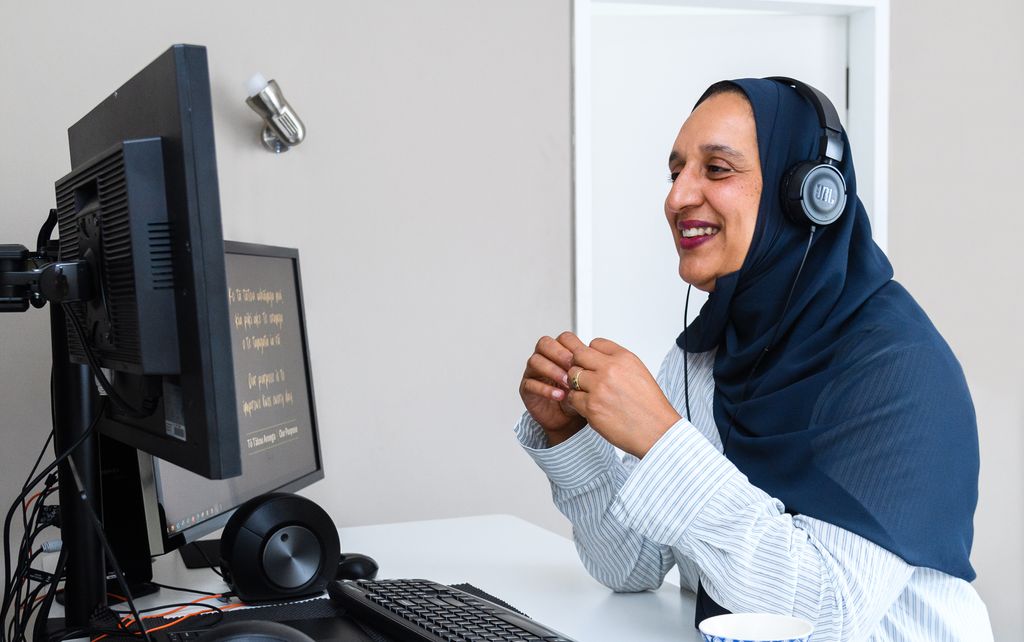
<point x="814" y="192"/>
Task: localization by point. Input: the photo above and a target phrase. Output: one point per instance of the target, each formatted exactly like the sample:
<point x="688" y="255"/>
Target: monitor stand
<point x="203" y="553"/>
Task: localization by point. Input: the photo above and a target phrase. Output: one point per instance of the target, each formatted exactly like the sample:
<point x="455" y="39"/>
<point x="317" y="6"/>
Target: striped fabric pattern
<point x="686" y="505"/>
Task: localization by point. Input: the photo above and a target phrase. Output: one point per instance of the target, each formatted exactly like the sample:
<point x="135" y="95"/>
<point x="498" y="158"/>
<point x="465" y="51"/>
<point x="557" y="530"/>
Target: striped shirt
<point x="684" y="504"/>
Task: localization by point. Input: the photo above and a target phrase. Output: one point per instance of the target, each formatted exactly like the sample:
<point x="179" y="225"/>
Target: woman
<point x="809" y="446"/>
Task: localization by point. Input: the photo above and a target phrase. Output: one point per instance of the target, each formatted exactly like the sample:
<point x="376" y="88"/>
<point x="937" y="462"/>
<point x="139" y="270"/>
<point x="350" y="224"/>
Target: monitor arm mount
<point x="34" y="279"/>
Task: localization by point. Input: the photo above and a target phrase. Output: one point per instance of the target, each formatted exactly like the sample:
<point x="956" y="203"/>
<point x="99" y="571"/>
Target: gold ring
<point x="576" y="380"/>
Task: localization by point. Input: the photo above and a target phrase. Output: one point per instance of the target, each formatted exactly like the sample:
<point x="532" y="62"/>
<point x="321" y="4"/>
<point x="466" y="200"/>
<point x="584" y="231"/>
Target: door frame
<point x="867" y="114"/>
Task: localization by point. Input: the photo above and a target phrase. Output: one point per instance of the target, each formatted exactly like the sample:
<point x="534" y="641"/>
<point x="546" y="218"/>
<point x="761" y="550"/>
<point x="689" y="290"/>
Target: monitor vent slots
<point x="161" y="269"/>
<point x="114" y="207"/>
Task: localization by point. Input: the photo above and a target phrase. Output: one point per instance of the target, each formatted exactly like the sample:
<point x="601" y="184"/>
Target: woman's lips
<point x="694" y="233"/>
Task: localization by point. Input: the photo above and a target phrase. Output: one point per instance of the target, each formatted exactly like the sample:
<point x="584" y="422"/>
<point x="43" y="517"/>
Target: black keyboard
<point x="414" y="610"/>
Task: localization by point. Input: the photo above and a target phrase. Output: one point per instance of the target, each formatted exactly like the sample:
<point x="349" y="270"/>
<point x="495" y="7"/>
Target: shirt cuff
<point x="573" y="463"/>
<point x="671" y="484"/>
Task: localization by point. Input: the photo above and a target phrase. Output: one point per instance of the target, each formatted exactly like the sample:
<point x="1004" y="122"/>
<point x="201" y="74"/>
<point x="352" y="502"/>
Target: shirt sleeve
<point x="750" y="554"/>
<point x="586" y="474"/>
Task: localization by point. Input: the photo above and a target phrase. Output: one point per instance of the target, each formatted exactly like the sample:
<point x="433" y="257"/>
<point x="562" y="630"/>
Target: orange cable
<point x="185" y="617"/>
<point x="28" y="502"/>
<point x="129" y="620"/>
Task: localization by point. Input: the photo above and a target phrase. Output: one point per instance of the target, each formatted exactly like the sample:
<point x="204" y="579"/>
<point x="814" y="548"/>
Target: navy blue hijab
<point x="859" y="415"/>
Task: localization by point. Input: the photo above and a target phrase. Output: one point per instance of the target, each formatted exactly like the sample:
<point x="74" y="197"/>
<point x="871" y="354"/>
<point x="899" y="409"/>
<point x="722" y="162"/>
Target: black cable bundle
<point x="21" y="601"/>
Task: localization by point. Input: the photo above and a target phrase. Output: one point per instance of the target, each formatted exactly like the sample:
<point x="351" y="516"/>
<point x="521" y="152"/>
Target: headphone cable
<point x="686" y="373"/>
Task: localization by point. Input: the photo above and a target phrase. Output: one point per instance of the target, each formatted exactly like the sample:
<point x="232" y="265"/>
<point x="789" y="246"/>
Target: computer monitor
<point x="140" y="234"/>
<point x="276" y="412"/>
<point x="140" y="302"/>
<point x="141" y="207"/>
<point x="159" y="506"/>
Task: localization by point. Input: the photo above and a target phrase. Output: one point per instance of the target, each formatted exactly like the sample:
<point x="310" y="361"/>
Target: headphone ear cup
<point x="814" y="193"/>
<point x="792" y="194"/>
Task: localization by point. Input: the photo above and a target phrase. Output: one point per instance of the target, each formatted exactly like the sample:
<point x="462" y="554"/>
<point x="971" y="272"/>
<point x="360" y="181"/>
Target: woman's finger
<point x="578" y="400"/>
<point x="571" y="342"/>
<point x="605" y="346"/>
<point x="584" y="355"/>
<point x="576" y="378"/>
<point x="589" y="358"/>
<point x="539" y="366"/>
<point x="555" y="352"/>
<point x="541" y="389"/>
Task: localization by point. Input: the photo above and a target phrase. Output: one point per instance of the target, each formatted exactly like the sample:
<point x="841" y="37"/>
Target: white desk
<point x="532" y="569"/>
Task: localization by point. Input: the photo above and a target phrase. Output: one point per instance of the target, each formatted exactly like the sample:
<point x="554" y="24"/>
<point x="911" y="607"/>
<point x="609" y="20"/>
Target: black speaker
<point x="279" y="546"/>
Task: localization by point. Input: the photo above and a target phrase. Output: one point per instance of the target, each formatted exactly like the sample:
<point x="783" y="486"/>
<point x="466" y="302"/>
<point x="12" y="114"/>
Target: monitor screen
<point x="273" y="391"/>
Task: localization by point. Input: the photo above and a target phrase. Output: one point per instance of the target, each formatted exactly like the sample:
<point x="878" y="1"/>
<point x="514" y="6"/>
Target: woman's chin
<point x="702" y="282"/>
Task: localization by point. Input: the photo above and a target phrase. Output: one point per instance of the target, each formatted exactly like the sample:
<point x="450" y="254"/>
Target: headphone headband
<point x="814" y="191"/>
<point x="831" y="145"/>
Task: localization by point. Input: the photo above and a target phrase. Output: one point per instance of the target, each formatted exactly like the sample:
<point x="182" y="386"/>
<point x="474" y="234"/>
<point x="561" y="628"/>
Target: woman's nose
<point x="685" y="192"/>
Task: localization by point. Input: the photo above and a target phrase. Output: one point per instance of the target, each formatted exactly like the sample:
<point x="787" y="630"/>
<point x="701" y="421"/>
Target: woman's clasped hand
<point x="568" y="384"/>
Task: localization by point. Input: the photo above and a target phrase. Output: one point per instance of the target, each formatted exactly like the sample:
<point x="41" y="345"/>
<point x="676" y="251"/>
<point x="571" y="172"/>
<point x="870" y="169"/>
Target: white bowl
<point x="755" y="627"/>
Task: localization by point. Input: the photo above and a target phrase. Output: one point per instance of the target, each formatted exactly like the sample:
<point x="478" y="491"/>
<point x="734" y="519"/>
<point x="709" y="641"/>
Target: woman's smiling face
<point x="716" y="189"/>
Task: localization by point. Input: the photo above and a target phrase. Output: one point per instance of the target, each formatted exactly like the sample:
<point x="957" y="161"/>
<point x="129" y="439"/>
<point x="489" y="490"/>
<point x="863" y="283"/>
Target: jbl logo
<point x="825" y="194"/>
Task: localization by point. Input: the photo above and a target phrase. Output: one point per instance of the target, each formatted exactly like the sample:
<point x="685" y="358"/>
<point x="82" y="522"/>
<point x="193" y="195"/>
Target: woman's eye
<point x="672" y="177"/>
<point x="718" y="169"/>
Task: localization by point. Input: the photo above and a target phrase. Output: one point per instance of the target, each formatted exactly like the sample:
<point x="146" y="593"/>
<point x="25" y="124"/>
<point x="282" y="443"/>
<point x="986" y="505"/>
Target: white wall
<point x="956" y="226"/>
<point x="431" y="204"/>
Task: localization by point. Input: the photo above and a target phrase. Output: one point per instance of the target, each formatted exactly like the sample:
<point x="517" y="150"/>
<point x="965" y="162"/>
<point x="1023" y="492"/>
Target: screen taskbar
<point x="194" y="518"/>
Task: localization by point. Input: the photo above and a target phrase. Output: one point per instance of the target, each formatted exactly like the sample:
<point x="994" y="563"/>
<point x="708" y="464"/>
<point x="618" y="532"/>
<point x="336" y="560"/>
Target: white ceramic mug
<point x="755" y="627"/>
